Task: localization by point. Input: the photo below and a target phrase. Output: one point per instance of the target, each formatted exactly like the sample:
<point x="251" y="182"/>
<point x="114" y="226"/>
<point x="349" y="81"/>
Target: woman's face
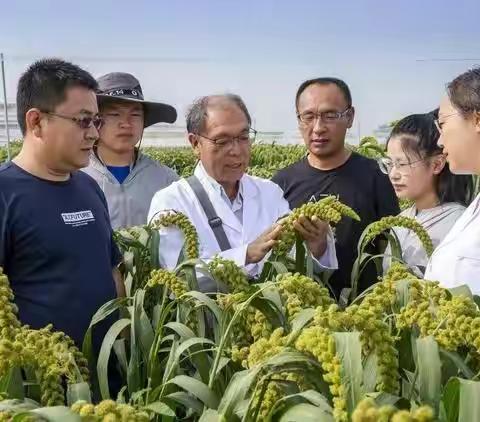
<point x="413" y="176"/>
<point x="459" y="138"/>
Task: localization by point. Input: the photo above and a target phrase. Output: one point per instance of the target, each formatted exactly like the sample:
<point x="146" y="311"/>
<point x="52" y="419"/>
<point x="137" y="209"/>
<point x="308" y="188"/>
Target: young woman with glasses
<point x="419" y="173"/>
<point x="456" y="261"/>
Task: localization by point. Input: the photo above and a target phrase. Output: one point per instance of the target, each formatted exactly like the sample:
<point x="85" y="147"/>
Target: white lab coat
<point x="263" y="205"/>
<point x="456" y="261"/>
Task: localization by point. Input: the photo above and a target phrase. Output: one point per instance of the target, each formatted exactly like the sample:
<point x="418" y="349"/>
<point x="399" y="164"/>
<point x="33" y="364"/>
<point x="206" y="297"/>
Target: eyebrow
<point x="130" y="107"/>
<point x="330" y="110"/>
<point x="223" y="134"/>
<point x="85" y="111"/>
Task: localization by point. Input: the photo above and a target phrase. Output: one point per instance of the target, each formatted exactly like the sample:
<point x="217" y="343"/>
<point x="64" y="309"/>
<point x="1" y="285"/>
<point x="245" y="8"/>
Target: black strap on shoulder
<point x="214" y="220"/>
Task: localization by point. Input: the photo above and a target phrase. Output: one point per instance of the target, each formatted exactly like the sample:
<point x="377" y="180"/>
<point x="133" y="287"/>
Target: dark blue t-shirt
<point x="119" y="172"/>
<point x="56" y="248"/>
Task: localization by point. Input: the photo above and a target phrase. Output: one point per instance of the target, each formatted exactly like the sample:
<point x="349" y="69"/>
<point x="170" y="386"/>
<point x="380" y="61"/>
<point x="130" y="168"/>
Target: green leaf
<point x="103" y="312"/>
<point x="462" y="290"/>
<point x="142" y="329"/>
<point x="12" y="384"/>
<point x="197" y="388"/>
<point x="305" y="412"/>
<point x="302" y="319"/>
<point x="51" y="414"/>
<point x="370" y="373"/>
<point x="210" y="415"/>
<point x="104" y="355"/>
<point x="403" y="296"/>
<point x="310" y="396"/>
<point x="272" y="313"/>
<point x="160" y="408"/>
<point x="121" y="353"/>
<point x="182" y="348"/>
<point x="78" y="391"/>
<point x="154" y="248"/>
<point x="429" y="378"/>
<point x="349" y="350"/>
<point x="406" y="358"/>
<point x="469" y="403"/>
<point x="206" y="301"/>
<point x="236" y="391"/>
<point x="450" y="400"/>
<point x="455" y="358"/>
<point x="300" y="249"/>
<point x="186" y="400"/>
<point x="181" y="329"/>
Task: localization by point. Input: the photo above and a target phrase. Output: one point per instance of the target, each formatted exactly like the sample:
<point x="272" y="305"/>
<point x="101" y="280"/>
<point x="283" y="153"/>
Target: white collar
<point x="202" y="174"/>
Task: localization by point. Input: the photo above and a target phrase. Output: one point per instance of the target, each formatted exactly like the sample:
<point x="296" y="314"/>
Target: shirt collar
<point x="201" y="173"/>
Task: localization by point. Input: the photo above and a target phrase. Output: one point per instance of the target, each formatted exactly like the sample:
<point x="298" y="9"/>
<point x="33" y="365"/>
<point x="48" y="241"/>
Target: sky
<point x="396" y="56"/>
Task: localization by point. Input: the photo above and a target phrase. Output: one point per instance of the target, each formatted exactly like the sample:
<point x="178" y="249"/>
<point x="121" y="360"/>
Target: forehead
<point x="395" y="148"/>
<point x="79" y="100"/>
<point x="446" y="107"/>
<point x="121" y="106"/>
<point x="322" y="97"/>
<point x="225" y="118"/>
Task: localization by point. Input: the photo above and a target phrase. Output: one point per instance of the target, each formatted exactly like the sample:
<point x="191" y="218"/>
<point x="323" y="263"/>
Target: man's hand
<point x="257" y="250"/>
<point x="314" y="232"/>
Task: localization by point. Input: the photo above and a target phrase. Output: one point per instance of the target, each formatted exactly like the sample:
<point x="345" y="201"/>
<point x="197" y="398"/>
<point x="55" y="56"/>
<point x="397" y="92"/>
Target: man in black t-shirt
<point x="56" y="242"/>
<point x="325" y="112"/>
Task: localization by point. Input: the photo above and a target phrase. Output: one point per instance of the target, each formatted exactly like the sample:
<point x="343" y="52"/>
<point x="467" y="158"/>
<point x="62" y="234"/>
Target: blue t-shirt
<point x="119" y="172"/>
<point x="56" y="247"/>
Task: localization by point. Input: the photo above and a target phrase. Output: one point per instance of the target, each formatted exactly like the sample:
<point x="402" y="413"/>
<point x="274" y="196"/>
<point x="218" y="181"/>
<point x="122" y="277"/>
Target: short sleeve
<point x="4" y="232"/>
<point x="116" y="254"/>
<point x="279" y="179"/>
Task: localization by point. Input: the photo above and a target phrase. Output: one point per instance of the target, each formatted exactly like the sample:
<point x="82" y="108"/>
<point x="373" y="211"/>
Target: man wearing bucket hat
<point x="128" y="178"/>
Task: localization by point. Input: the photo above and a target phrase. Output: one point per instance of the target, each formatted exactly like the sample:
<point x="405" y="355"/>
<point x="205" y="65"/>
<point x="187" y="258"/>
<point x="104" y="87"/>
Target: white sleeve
<point x="171" y="239"/>
<point x="328" y="261"/>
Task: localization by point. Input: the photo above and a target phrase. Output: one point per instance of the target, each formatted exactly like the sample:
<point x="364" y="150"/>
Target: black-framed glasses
<point x="309" y="117"/>
<point x="245" y="138"/>
<point x="83" y="122"/>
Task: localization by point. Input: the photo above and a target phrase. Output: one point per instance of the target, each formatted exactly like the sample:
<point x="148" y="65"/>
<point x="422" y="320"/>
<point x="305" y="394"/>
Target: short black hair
<point x="325" y="81"/>
<point x="419" y="135"/>
<point x="464" y="91"/>
<point x="44" y="85"/>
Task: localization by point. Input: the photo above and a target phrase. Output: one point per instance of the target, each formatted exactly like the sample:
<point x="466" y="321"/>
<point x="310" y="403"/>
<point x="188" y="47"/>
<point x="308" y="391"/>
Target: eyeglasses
<point x="309" y="117"/>
<point x="386" y="164"/>
<point x="82" y="122"/>
<point x="439" y="124"/>
<point x="245" y="138"/>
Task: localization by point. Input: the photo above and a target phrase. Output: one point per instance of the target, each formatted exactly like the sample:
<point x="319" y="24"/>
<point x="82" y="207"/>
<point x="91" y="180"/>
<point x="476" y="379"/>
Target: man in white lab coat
<point x="247" y="208"/>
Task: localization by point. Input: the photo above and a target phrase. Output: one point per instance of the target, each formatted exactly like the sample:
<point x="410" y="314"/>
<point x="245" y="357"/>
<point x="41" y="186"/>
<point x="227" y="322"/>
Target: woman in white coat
<point x="456" y="261"/>
<point x="248" y="207"/>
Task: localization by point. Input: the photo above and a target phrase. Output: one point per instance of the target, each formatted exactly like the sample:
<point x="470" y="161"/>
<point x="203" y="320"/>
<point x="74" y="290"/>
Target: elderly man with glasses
<point x="325" y="113"/>
<point x="235" y="214"/>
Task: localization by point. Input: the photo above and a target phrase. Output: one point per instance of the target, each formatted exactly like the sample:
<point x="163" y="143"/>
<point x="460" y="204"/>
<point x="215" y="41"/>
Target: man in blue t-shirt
<point x="55" y="236"/>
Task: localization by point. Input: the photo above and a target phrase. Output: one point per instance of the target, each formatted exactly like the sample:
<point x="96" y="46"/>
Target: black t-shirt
<point x="360" y="184"/>
<point x="56" y="248"/>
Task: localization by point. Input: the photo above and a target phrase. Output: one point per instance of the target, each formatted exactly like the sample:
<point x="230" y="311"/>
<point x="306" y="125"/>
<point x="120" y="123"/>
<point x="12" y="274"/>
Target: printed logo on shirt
<point x="80" y="218"/>
<point x="313" y="198"/>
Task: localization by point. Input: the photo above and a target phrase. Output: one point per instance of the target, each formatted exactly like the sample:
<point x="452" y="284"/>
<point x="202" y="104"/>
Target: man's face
<point x="225" y="163"/>
<point x="123" y="126"/>
<point x="66" y="145"/>
<point x="324" y="137"/>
